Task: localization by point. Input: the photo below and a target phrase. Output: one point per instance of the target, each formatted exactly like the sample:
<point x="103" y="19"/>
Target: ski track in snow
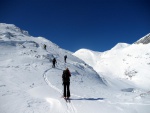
<point x="70" y="106"/>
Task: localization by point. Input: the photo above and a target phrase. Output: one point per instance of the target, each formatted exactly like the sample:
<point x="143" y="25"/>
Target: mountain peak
<point x="120" y="46"/>
<point x="144" y="40"/>
<point x="10" y="30"/>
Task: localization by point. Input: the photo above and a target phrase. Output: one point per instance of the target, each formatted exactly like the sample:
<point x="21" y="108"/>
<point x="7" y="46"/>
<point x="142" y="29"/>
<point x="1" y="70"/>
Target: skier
<point x="65" y="57"/>
<point x="54" y="62"/>
<point x="44" y="46"/>
<point x="66" y="83"/>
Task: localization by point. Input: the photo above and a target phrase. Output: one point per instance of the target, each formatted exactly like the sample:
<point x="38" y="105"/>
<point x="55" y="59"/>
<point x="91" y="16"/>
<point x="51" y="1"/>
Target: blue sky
<point x="73" y="24"/>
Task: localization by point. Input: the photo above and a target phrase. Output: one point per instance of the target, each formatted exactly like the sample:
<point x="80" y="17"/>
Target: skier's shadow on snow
<point x="92" y="99"/>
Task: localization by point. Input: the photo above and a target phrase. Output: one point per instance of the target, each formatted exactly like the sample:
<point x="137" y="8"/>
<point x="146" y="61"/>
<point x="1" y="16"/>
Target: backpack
<point x="65" y="76"/>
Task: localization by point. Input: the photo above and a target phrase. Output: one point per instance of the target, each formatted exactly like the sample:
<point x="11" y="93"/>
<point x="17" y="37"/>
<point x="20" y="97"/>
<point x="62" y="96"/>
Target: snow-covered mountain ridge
<point x="129" y="62"/>
<point x="26" y="70"/>
<point x="11" y="31"/>
<point x="28" y="83"/>
<point x="122" y="61"/>
<point x="144" y="40"/>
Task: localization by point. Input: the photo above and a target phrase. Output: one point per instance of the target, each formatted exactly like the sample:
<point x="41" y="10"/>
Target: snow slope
<point x="122" y="61"/>
<point x="124" y="67"/>
<point x="28" y="83"/>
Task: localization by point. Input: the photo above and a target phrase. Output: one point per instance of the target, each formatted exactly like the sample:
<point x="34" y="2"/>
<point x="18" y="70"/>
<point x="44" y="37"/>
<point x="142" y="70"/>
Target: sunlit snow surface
<point x="29" y="84"/>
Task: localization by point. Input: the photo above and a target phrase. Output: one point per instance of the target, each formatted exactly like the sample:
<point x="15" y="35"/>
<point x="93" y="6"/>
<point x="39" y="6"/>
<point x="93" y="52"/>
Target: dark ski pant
<point x="66" y="89"/>
<point x="53" y="65"/>
<point x="65" y="60"/>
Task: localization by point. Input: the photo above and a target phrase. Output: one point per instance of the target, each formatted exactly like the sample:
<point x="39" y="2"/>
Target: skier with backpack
<point x="66" y="83"/>
<point x="65" y="57"/>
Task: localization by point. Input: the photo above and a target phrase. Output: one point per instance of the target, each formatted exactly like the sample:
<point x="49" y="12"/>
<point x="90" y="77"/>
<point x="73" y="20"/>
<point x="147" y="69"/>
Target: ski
<point x="67" y="100"/>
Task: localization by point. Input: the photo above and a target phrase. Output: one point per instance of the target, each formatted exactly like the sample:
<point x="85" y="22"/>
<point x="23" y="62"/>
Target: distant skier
<point x="54" y="62"/>
<point x="65" y="57"/>
<point x="44" y="46"/>
<point x="66" y="83"/>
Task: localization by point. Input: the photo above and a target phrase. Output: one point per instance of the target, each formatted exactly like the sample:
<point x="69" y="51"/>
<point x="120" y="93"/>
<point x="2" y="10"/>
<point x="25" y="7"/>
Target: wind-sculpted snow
<point x="29" y="84"/>
<point x="25" y="44"/>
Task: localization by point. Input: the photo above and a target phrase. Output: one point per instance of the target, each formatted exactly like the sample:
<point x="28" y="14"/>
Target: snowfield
<point x="115" y="81"/>
<point x="123" y="61"/>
